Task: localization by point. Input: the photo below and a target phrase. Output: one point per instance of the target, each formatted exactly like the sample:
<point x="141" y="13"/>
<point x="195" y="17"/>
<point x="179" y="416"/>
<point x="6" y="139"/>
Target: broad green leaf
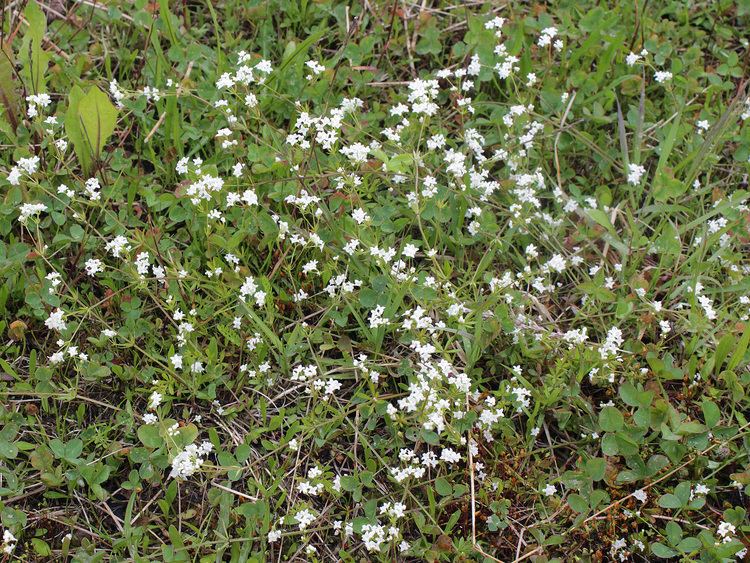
<point x="98" y="117"/>
<point x="443" y="487"/>
<point x="683" y="492"/>
<point x="149" y="436"/>
<point x="610" y="419"/>
<point x="689" y="544"/>
<point x="740" y="349"/>
<point x="73" y="128"/>
<point x="8" y="450"/>
<point x="35" y="58"/>
<point x="166" y="18"/>
<point x="596" y="468"/>
<point x="10" y="93"/>
<point x="578" y="503"/>
<point x="711" y="413"/>
<point x="669" y="501"/>
<point x="41" y="547"/>
<point x="669" y="240"/>
<point x="726" y="344"/>
<point x="666" y="186"/>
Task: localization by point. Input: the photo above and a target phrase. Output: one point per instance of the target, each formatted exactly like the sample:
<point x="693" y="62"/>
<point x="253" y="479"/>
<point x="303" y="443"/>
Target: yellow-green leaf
<point x="98" y="118"/>
<point x="89" y="122"/>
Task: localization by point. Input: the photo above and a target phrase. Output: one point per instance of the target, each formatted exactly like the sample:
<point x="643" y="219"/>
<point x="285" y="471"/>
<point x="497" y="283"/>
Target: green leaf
<point x="610" y="419"/>
<point x="673" y="532"/>
<point x="740" y="349"/>
<point x="400" y="164"/>
<point x="629" y="394"/>
<point x="602" y="219"/>
<point x="166" y="18"/>
<point x="689" y="545"/>
<point x="682" y="491"/>
<point x="669" y="240"/>
<point x="430" y="437"/>
<point x="596" y="468"/>
<point x="8" y="450"/>
<point x="41" y="547"/>
<point x="98" y="117"/>
<point x="68" y="451"/>
<point x="349" y="483"/>
<point x="73" y="128"/>
<point x="711" y="413"/>
<point x="443" y="487"/>
<point x="34" y="57"/>
<point x="578" y="503"/>
<point x="10" y="94"/>
<point x="722" y="351"/>
<point x="669" y="501"/>
<point x="37" y="20"/>
<point x="662" y="551"/>
<point x="89" y="122"/>
<point x="667" y="187"/>
<point x="609" y="445"/>
<point x="429" y="42"/>
<point x="187" y="435"/>
<point x="149" y="436"/>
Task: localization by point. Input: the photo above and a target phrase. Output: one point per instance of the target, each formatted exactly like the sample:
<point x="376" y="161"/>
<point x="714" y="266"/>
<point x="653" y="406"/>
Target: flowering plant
<point x="472" y="286"/>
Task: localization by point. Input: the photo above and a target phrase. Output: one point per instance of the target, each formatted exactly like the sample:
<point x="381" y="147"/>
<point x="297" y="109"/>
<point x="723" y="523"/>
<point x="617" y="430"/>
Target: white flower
<point x="117" y="245"/>
<point x="546" y="37"/>
<point x="662" y="76"/>
<point x="556" y="263"/>
<point x="29" y="165"/>
<point x="632" y="58"/>
<point x="30" y="209"/>
<point x="640" y="495"/>
<point x="360" y="216"/>
<point x="9" y="542"/>
<point x="116" y="93"/>
<point x="315" y="67"/>
<point x="55" y="321"/>
<point x="142" y="263"/>
<point x="549" y="490"/>
<point x="357" y="153"/>
<point x="612" y="344"/>
<point x="311" y="266"/>
<point x="92" y="189"/>
<point x="14" y="176"/>
<point x="726" y="529"/>
<point x="304" y="518"/>
<point x="635" y="173"/>
<point x="154" y="400"/>
<point x="93" y="266"/>
<point x="176" y="361"/>
<point x="189" y="460"/>
<point x="37" y="100"/>
<point x="151" y="93"/>
<point x="410" y="250"/>
<point x="450" y="456"/>
<point x="701" y="489"/>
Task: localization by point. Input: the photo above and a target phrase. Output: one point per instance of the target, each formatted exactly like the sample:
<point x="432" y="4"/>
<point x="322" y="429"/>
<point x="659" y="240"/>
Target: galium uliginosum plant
<point x="261" y="308"/>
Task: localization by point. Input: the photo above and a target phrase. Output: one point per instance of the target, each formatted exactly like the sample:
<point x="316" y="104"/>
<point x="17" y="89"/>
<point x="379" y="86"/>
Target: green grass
<point x="255" y="309"/>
